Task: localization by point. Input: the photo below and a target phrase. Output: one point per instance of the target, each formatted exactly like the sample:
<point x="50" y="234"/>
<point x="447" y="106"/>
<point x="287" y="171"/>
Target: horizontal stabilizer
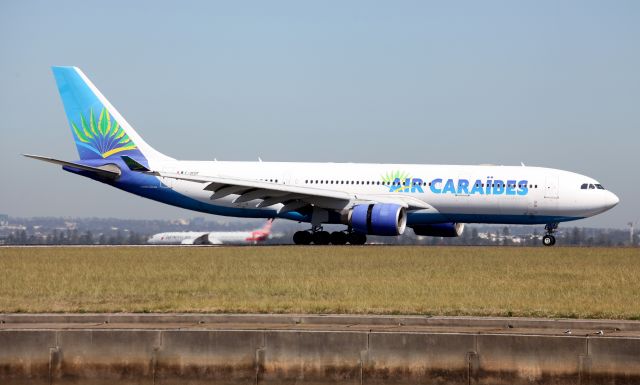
<point x="110" y="171"/>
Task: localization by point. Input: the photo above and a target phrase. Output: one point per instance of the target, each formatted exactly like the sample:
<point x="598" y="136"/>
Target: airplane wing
<point x="291" y="197"/>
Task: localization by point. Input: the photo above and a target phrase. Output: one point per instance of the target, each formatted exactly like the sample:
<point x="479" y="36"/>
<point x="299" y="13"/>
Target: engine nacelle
<point x="439" y="229"/>
<point x="378" y="219"/>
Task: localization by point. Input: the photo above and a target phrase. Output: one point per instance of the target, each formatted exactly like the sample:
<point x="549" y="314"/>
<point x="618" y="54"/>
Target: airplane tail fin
<point x="98" y="129"/>
<point x="267" y="226"/>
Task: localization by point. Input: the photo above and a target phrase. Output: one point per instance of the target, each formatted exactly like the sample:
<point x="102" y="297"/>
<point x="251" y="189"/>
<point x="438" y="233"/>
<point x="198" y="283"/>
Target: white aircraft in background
<point x="377" y="199"/>
<point x="213" y="238"/>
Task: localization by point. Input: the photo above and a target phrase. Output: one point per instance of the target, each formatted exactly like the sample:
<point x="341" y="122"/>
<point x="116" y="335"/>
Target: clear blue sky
<point x="549" y="83"/>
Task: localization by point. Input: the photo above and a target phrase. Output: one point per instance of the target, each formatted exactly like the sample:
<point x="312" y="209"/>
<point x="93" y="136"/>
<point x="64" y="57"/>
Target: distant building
<point x="4" y="220"/>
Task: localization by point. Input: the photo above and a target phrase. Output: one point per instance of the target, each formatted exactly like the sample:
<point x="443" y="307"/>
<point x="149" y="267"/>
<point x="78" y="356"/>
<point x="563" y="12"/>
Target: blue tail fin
<point x="98" y="129"/>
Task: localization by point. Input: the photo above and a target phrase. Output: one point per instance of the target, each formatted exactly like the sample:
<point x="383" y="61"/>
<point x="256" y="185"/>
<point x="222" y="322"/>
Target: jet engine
<point x="378" y="219"/>
<point x="439" y="229"/>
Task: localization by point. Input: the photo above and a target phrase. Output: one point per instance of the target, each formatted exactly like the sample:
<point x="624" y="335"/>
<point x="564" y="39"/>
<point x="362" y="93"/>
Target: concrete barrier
<point x="104" y="356"/>
<point x="25" y="356"/>
<point x="314" y="357"/>
<point x="412" y="358"/>
<point x="206" y="357"/>
<point x="144" y="350"/>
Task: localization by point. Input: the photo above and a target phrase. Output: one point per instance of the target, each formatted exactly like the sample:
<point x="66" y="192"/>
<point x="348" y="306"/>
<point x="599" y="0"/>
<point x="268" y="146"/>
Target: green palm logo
<point x="104" y="137"/>
<point x="394" y="176"/>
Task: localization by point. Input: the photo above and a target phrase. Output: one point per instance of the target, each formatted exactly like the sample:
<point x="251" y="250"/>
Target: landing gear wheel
<point x="548" y="240"/>
<point x="338" y="238"/>
<point x="302" y="238"/>
<point x="321" y="237"/>
<point x="357" y="238"/>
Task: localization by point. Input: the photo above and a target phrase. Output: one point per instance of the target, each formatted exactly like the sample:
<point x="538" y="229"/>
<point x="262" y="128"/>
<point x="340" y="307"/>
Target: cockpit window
<point x="591" y="186"/>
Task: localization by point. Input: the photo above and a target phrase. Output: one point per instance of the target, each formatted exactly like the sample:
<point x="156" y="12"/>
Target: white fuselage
<point x="464" y="193"/>
<point x="206" y="238"/>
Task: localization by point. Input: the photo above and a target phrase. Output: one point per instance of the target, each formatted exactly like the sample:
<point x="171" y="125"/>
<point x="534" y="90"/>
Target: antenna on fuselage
<point x="522" y="164"/>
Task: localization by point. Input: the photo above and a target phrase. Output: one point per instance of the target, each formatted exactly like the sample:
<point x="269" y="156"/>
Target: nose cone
<point x="610" y="200"/>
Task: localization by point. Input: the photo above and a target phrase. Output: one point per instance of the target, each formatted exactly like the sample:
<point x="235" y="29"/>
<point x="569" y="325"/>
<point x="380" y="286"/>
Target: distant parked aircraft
<point x="213" y="238"/>
<point x="376" y="199"/>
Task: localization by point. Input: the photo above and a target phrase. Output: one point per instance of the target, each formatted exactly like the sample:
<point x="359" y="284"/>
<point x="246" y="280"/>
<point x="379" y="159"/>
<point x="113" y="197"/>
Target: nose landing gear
<point x="548" y="239"/>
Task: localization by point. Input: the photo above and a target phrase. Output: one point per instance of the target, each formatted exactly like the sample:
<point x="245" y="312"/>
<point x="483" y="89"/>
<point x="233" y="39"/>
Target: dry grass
<point x="554" y="282"/>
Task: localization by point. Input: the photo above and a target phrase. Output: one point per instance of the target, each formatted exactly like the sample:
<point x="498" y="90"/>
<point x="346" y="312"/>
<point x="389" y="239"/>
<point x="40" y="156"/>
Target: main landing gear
<point x="318" y="236"/>
<point x="548" y="239"/>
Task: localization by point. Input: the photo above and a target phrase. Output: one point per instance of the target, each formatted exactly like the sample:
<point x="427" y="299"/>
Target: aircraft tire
<point x="321" y="237"/>
<point x="302" y="238"/>
<point x="548" y="240"/>
<point x="338" y="238"/>
<point x="357" y="238"/>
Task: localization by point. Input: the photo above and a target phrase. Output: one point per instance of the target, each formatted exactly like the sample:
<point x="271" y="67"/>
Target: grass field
<point x="549" y="282"/>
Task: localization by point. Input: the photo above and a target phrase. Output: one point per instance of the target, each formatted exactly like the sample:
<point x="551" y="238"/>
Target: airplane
<point x="369" y="199"/>
<point x="213" y="238"/>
